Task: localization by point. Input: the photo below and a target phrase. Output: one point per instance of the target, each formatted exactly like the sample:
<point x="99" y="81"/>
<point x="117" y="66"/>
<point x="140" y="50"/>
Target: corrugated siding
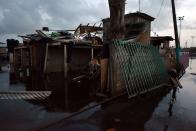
<point x="25" y="95"/>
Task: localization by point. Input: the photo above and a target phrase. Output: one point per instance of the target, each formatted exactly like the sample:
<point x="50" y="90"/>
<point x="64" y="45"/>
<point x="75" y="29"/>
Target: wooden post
<point x="46" y="57"/>
<point x="45" y="73"/>
<point x="92" y="53"/>
<point x="65" y="77"/>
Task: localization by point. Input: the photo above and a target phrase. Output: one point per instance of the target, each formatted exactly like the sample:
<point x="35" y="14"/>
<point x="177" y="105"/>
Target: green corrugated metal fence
<point x="141" y="65"/>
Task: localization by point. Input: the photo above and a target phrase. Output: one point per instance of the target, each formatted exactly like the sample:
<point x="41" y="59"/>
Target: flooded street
<point x="19" y="114"/>
<point x="155" y="111"/>
<point x="181" y="116"/>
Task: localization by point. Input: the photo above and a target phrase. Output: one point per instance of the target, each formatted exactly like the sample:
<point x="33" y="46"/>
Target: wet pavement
<point x="155" y="111"/>
<point x="182" y="115"/>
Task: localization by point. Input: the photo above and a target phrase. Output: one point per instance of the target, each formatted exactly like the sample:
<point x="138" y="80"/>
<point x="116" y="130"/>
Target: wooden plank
<point x="65" y="76"/>
<point x="46" y="57"/>
<point x="104" y="73"/>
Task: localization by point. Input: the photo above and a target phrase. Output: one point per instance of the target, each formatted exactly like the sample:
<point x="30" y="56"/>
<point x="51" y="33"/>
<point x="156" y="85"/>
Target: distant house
<point x="161" y="41"/>
<point x="3" y="56"/>
<point x="1" y="43"/>
<point x="137" y="26"/>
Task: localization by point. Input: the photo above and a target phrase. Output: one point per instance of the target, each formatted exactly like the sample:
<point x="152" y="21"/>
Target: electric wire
<point x="163" y="3"/>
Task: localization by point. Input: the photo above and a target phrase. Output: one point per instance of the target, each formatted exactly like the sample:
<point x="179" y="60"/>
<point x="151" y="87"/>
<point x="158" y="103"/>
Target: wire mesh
<point x="142" y="67"/>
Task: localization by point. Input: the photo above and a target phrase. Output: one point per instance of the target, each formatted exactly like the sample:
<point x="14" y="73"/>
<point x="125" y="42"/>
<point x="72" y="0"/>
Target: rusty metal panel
<point x="25" y="95"/>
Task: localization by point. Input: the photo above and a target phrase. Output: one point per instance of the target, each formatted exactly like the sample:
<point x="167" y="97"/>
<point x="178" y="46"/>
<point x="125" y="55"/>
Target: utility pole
<point x="186" y="44"/>
<point x="180" y="18"/>
<point x="175" y="31"/>
<point x="192" y="40"/>
<point x="139" y="6"/>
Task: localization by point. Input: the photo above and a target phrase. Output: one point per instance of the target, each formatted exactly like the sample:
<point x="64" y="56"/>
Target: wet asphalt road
<point x="151" y="112"/>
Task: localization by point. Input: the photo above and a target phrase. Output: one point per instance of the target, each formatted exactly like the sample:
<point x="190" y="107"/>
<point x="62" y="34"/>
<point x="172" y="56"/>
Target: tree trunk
<point x="117" y="11"/>
<point x="116" y="31"/>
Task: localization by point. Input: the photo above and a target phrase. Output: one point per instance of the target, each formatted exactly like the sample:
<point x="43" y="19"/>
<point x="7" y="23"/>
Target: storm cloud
<point x="24" y="16"/>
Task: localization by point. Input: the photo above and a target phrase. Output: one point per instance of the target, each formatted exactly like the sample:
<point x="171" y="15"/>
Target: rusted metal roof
<point x="3" y="50"/>
<point x="87" y="29"/>
<point x="162" y="38"/>
<point x="136" y="14"/>
<point x="1" y="43"/>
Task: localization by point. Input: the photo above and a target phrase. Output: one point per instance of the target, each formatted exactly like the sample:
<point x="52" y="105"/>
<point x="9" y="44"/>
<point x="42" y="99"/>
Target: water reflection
<point x="170" y="110"/>
<point x="165" y="128"/>
<point x="177" y="111"/>
<point x="62" y="99"/>
<point x="120" y="114"/>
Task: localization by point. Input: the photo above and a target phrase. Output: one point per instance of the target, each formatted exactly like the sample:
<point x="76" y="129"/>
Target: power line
<point x="159" y="12"/>
<point x="160" y="8"/>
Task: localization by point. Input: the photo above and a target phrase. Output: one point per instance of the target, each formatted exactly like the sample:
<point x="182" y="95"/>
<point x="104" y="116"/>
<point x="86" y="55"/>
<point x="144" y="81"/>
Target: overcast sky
<point x="24" y="16"/>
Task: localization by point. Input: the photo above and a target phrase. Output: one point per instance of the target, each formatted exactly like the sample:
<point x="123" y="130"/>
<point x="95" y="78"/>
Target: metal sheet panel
<point x="25" y="95"/>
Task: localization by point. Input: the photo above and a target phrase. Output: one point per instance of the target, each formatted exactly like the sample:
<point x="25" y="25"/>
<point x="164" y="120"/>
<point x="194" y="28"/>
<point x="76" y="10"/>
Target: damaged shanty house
<point x="60" y="61"/>
<point x="3" y="55"/>
<point x="11" y="44"/>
